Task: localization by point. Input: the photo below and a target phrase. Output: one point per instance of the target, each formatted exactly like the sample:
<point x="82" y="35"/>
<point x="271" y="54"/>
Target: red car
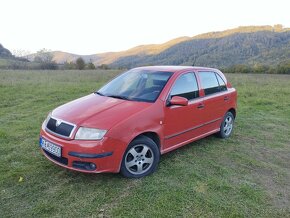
<point x="139" y="115"/>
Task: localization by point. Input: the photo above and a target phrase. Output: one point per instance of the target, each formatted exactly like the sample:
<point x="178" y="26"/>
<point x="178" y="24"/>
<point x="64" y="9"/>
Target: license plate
<point x="50" y="147"/>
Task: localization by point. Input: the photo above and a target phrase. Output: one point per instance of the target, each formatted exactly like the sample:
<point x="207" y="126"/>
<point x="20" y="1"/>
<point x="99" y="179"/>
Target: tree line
<point x="80" y="64"/>
<point x="43" y="60"/>
<point x="281" y="68"/>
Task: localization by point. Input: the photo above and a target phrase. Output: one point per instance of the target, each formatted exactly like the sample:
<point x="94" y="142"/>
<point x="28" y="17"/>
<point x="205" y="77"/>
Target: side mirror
<point x="177" y="100"/>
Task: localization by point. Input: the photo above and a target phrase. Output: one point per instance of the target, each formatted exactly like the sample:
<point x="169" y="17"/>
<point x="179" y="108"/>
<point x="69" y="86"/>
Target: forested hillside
<point x="250" y="48"/>
<point x="4" y="53"/>
<point x="247" y="45"/>
<point x="259" y="49"/>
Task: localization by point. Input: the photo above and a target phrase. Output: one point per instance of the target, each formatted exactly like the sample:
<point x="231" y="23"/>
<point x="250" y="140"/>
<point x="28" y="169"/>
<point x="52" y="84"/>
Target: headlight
<point x="47" y="119"/>
<point x="84" y="133"/>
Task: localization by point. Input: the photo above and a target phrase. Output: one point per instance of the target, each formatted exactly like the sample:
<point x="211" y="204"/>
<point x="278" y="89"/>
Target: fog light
<point x="84" y="165"/>
<point x="92" y="166"/>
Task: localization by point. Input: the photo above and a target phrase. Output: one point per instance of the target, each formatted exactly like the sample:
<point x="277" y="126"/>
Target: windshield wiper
<point x="99" y="93"/>
<point x="119" y="97"/>
<point x="114" y="96"/>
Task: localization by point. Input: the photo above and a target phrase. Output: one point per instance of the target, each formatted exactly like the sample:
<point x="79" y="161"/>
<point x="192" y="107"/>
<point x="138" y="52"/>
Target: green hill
<point x="9" y="61"/>
<point x="110" y="57"/>
<point x="248" y="45"/>
<point x="6" y="57"/>
<point x="5" y="53"/>
<point x="244" y="45"/>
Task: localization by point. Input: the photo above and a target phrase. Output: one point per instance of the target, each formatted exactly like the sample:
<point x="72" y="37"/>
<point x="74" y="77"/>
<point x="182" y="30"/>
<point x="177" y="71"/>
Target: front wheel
<point x="227" y="125"/>
<point x="141" y="158"/>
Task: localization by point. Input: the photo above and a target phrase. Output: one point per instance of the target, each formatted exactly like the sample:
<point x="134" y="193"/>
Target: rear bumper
<point x="87" y="156"/>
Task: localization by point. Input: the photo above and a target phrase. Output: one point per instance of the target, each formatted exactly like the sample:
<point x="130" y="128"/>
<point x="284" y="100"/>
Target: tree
<point x="21" y="54"/>
<point x="104" y="67"/>
<point x="284" y="67"/>
<point x="91" y="66"/>
<point x="45" y="58"/>
<point x="80" y="63"/>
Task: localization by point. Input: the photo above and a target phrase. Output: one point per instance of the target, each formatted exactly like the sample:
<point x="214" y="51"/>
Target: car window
<point x="185" y="86"/>
<point x="222" y="83"/>
<point x="209" y="82"/>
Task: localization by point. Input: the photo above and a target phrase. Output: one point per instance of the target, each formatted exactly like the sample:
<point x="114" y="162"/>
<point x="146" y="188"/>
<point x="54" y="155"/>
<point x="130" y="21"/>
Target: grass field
<point x="247" y="175"/>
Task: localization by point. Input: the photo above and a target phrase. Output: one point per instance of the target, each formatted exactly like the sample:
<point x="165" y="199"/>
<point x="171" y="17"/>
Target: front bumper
<point x="87" y="156"/>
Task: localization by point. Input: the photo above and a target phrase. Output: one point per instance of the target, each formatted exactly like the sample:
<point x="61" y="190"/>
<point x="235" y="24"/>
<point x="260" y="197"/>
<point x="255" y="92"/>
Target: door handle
<point x="226" y="98"/>
<point x="200" y="105"/>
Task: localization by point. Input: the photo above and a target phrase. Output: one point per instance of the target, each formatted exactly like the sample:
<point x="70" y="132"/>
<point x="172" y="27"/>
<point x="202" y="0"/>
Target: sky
<point x="96" y="26"/>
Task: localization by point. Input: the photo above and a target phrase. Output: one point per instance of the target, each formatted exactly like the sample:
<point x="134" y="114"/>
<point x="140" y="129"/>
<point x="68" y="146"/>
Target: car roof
<point x="175" y="68"/>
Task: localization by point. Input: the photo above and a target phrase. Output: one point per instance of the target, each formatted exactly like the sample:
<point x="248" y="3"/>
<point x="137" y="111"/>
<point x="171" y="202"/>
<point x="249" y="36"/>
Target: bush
<point x="69" y="66"/>
<point x="104" y="67"/>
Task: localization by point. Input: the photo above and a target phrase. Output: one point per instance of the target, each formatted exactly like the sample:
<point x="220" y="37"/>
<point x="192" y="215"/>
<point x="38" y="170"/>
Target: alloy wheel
<point x="139" y="159"/>
<point x="228" y="125"/>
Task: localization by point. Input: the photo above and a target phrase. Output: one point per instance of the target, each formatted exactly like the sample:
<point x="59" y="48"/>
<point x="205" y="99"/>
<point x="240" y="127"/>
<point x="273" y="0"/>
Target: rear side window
<point x="211" y="83"/>
<point x="185" y="86"/>
<point x="222" y="83"/>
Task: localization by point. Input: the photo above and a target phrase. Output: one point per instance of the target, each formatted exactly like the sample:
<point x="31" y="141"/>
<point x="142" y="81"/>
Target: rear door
<point x="216" y="99"/>
<point x="181" y="122"/>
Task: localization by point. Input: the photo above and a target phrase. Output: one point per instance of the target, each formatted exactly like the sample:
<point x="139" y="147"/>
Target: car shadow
<point x="204" y="143"/>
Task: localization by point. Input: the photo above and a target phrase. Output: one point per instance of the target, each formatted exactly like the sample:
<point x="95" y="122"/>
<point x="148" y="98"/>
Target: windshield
<point x="136" y="85"/>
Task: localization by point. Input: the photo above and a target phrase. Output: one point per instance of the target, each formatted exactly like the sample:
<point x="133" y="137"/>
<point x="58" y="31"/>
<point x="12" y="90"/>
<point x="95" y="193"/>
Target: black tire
<point x="140" y="158"/>
<point x="227" y="126"/>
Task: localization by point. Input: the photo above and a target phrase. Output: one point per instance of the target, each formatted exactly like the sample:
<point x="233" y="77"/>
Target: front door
<point x="181" y="123"/>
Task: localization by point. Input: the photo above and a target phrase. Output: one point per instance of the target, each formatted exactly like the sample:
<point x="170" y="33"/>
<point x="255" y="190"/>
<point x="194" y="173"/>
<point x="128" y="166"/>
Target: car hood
<point x="98" y="111"/>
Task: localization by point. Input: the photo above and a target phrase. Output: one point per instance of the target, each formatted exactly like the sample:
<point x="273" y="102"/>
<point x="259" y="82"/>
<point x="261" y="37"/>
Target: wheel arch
<point x="152" y="135"/>
<point x="233" y="111"/>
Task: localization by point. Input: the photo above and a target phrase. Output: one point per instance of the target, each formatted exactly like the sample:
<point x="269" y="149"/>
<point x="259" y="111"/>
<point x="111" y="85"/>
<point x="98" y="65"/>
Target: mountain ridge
<point x="153" y="53"/>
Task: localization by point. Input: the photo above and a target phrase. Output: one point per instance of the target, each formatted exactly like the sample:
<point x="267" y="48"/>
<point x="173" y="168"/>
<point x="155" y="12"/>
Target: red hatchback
<point x="142" y="113"/>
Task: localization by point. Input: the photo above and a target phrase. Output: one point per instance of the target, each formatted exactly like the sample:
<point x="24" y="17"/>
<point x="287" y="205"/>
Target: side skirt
<point x="190" y="140"/>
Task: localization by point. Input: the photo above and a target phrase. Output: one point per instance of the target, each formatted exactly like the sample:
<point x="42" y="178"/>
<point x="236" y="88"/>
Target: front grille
<point x="61" y="160"/>
<point x="63" y="129"/>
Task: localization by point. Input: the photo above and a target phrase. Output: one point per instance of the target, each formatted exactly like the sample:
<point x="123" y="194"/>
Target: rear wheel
<point x="141" y="158"/>
<point x="227" y="125"/>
